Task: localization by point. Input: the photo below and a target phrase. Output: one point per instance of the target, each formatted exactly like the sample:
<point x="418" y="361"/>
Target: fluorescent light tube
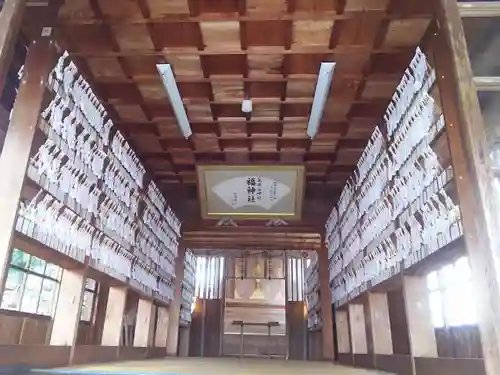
<point x="167" y="77"/>
<point x="322" y="87"/>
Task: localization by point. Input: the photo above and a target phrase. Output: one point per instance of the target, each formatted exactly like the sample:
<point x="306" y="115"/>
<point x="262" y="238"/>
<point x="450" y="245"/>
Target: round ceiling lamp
<point x="246" y="108"/>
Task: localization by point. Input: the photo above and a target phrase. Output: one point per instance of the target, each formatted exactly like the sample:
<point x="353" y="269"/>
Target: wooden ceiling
<point x="220" y="51"/>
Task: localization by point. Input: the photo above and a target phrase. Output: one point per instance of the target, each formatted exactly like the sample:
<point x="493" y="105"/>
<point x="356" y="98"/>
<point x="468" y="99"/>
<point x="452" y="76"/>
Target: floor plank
<point x="215" y="366"/>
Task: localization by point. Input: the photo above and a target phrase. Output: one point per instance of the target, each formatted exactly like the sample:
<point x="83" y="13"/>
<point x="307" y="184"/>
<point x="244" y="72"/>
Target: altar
<point x="254" y="317"/>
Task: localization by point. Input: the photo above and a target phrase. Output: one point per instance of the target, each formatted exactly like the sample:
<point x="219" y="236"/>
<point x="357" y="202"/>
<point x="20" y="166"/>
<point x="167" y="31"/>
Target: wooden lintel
<point x="244" y="246"/>
<point x="290" y="230"/>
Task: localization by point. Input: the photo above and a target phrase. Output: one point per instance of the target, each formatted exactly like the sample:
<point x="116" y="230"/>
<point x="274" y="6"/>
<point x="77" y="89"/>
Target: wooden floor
<point x="216" y="366"/>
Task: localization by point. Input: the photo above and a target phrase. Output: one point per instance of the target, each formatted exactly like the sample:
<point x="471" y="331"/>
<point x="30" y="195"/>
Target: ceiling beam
<point x="338" y="50"/>
<point x="296" y="16"/>
<point x="249" y="246"/>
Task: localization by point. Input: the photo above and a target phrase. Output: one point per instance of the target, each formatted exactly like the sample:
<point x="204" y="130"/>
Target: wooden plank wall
<point x="314" y="345"/>
<point x="195" y="332"/>
<point x="297" y="330"/>
<point x="255" y="345"/>
<point x="213" y="327"/>
<point x="399" y="329"/>
<point x="28" y="329"/>
<point x="206" y="328"/>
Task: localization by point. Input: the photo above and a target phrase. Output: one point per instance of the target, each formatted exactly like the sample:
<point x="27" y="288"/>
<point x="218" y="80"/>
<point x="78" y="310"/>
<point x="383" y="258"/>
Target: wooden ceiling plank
<point x="221" y="36"/>
<point x="161" y="8"/>
<point x="221" y="51"/>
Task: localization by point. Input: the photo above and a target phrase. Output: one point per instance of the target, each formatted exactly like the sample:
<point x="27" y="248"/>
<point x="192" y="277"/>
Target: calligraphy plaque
<point x="251" y="192"/>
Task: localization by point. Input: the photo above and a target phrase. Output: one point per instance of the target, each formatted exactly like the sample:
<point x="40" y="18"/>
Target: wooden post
<point x="473" y="175"/>
<point x="15" y="155"/>
<point x="10" y="23"/>
<point x="326" y="305"/>
<point x="174" y="310"/>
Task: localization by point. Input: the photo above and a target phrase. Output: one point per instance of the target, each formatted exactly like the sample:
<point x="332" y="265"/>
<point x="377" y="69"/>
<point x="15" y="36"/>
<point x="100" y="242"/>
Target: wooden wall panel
<point x="21" y="328"/>
<point x="157" y="352"/>
<point x="42" y="356"/>
<point x="184" y="341"/>
<point x="449" y="366"/>
<point x="35" y="331"/>
<point x="364" y="361"/>
<point x="345" y="358"/>
<point x="100" y="314"/>
<point x="315" y="347"/>
<point x="84" y="335"/>
<point x="255" y="345"/>
<point x="94" y="354"/>
<point x="195" y="332"/>
<point x="10" y="326"/>
<point x="126" y="353"/>
<point x="399" y="327"/>
<point x="397" y="364"/>
<point x="28" y="329"/>
<point x="459" y="342"/>
<point x="213" y="327"/>
<point x="297" y="329"/>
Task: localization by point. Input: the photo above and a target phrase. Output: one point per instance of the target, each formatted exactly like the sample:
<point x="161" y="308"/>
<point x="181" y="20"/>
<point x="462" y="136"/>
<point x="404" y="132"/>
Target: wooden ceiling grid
<point x="222" y="50"/>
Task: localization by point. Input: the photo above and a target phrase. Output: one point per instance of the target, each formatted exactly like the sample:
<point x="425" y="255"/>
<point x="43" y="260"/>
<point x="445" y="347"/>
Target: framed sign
<point x="251" y="192"/>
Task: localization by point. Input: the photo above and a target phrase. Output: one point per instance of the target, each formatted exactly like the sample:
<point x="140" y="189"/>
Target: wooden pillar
<point x="175" y="306"/>
<point x="115" y="308"/>
<point x="357" y="328"/>
<point x="68" y="308"/>
<point x="11" y="17"/>
<point x="161" y="327"/>
<point x="418" y="315"/>
<point x="326" y="305"/>
<point x="342" y="324"/>
<point x="20" y="133"/>
<point x="144" y="324"/>
<point x="473" y="174"/>
<point x="379" y="323"/>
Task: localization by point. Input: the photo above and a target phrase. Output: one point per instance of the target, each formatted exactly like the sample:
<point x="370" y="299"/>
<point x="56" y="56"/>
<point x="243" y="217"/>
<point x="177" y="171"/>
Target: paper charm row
<point x="419" y="77"/>
<point x="437" y="217"/>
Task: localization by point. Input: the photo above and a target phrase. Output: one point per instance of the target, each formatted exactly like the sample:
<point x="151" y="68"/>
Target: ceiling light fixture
<point x="322" y="88"/>
<point x="168" y="79"/>
<point x="246" y="108"/>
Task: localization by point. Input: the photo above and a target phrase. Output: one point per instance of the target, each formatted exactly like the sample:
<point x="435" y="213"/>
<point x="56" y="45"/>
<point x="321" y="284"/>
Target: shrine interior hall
<point x="202" y="187"/>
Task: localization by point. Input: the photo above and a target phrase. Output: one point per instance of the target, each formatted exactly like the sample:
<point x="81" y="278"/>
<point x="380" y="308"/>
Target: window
<point x="209" y="277"/>
<point x="32" y="285"/>
<point x="450" y="295"/>
<point x="88" y="300"/>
